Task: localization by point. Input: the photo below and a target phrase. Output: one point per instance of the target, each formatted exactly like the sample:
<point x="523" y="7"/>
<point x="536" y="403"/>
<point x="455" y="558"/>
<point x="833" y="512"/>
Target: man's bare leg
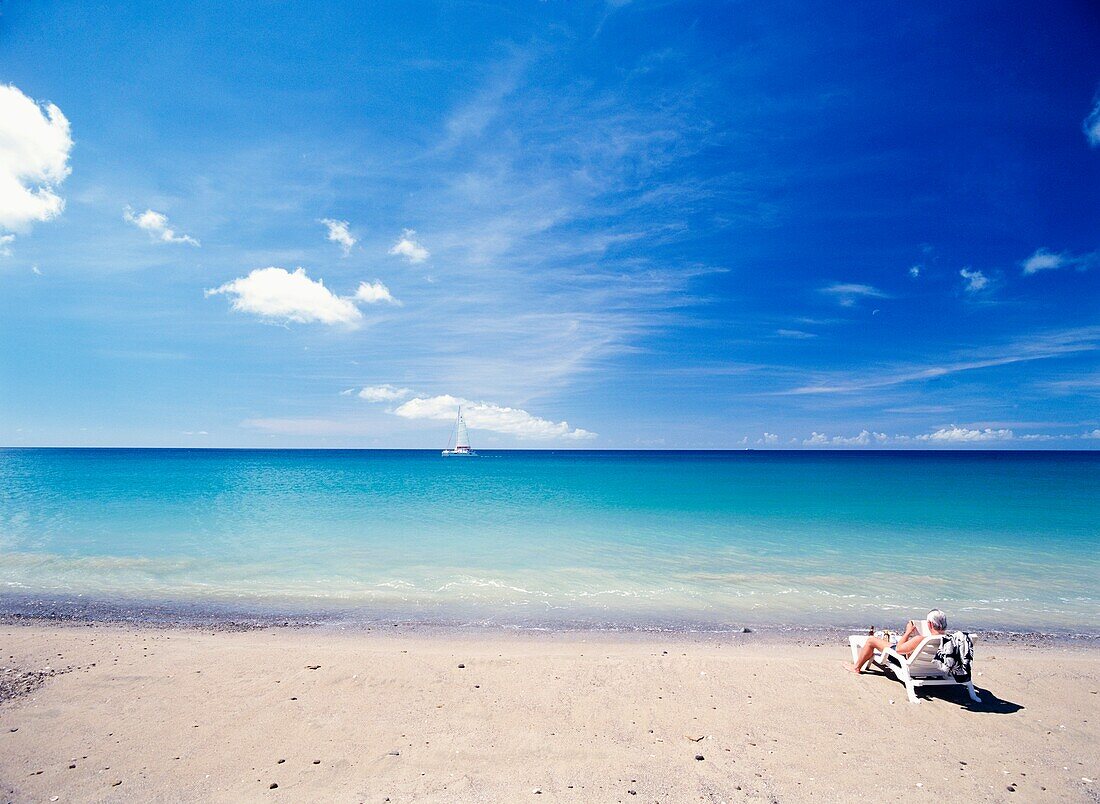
<point x="866" y="652"/>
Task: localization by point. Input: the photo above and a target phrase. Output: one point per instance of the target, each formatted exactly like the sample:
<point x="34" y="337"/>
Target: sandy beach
<point x="122" y="713"/>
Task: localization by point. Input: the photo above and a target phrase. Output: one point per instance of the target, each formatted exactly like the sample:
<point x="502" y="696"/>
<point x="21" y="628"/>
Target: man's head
<point x="937" y="620"/>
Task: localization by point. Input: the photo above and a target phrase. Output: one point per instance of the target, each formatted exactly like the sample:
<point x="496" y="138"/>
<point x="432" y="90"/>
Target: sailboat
<point x="462" y="440"/>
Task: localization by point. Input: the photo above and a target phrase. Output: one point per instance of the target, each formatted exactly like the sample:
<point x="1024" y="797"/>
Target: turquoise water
<point x="539" y="538"/>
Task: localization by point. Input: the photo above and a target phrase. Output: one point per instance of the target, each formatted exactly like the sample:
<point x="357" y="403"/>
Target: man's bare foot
<point x="851" y="668"/>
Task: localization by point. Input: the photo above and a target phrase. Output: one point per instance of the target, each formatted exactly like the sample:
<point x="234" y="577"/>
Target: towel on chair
<point x="955" y="655"/>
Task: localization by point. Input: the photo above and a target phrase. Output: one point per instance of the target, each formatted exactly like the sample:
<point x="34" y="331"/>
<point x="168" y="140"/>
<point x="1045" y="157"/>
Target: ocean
<point x="545" y="539"/>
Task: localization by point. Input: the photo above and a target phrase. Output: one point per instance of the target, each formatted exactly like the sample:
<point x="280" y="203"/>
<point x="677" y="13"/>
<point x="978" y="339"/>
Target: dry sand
<point x="141" y="714"/>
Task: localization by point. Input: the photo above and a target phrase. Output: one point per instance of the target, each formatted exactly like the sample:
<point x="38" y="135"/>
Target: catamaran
<point x="462" y="439"/>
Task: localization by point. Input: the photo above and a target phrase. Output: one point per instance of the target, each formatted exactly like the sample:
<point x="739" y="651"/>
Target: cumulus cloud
<point x="338" y="232"/>
<point x="408" y="247"/>
<point x="768" y="438"/>
<point x="1091" y="126"/>
<point x="848" y="293"/>
<point x="975" y="280"/>
<point x="374" y="292"/>
<point x="35" y="142"/>
<point x="960" y="435"/>
<point x="914" y="271"/>
<point x="279" y="295"/>
<point x="864" y="439"/>
<point x="479" y="415"/>
<point x="156" y="224"/>
<point x="383" y="393"/>
<point x="5" y="244"/>
<point x="1091" y="434"/>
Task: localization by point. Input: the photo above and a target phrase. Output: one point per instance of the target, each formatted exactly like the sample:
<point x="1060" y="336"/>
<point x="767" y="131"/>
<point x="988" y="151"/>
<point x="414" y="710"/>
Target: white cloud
<point x="35" y="142"/>
<point x="794" y="333"/>
<point x="338" y="232"/>
<point x="1091" y="434"/>
<point x="372" y="293"/>
<point x="5" y="244"/>
<point x="975" y="280"/>
<point x="384" y="393"/>
<point x="1042" y="260"/>
<point x="1046" y="260"/>
<point x="279" y="295"/>
<point x="1091" y="126"/>
<point x="408" y="247"/>
<point x="489" y="416"/>
<point x="961" y="435"/>
<point x="848" y="293"/>
<point x="1034" y="346"/>
<point x="865" y="438"/>
<point x="156" y="224"/>
<point x="768" y="438"/>
<point x="36" y="270"/>
<point x="914" y="271"/>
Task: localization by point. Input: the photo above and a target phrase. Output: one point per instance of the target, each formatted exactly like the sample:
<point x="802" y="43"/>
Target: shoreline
<point x="123" y="711"/>
<point x="204" y="615"/>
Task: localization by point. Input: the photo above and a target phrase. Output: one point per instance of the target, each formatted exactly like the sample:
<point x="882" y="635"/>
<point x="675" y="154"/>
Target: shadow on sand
<point x="990" y="705"/>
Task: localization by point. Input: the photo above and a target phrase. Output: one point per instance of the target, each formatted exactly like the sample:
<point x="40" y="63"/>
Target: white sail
<point x="462" y="437"/>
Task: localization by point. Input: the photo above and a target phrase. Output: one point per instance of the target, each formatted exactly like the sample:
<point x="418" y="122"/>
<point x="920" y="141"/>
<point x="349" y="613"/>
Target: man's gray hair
<point x="937" y="619"/>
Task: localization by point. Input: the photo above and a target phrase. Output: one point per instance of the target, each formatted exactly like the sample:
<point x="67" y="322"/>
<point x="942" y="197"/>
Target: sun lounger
<point x="918" y="669"/>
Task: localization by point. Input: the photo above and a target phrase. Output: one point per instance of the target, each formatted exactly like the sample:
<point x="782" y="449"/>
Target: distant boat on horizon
<point x="462" y="440"/>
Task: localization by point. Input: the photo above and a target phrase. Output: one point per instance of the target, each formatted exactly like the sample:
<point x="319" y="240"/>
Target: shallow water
<point x="615" y="538"/>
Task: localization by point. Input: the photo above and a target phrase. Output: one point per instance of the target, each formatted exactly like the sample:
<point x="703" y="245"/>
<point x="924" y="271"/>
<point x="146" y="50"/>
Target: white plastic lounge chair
<point x="918" y="669"/>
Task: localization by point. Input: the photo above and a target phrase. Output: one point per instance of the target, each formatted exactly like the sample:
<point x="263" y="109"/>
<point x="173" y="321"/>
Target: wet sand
<point x="110" y="712"/>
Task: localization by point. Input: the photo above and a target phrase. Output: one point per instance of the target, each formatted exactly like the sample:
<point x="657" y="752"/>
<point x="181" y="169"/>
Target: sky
<point x="622" y="225"/>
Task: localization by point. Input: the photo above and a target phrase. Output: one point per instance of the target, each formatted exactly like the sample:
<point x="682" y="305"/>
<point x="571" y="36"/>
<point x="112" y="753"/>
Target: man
<point x="914" y="632"/>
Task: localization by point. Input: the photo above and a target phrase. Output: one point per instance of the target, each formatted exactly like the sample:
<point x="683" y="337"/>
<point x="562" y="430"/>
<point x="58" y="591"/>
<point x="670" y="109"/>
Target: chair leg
<point x="911" y="691"/>
<point x="973" y="695"/>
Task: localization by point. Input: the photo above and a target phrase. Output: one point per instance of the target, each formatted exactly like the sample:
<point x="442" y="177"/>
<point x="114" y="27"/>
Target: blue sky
<point x="620" y="225"/>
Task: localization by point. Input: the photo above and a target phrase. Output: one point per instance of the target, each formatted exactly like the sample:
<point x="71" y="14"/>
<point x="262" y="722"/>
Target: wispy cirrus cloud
<point x="551" y="273"/>
<point x="1040" y="346"/>
<point x="157" y="226"/>
<point x="795" y="334"/>
<point x="1047" y="260"/>
<point x="848" y="293"/>
<point x="1091" y="124"/>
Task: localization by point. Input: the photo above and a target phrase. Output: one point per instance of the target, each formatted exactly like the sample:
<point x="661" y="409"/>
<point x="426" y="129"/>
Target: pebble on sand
<point x="273" y="785"/>
<point x="699" y="757"/>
